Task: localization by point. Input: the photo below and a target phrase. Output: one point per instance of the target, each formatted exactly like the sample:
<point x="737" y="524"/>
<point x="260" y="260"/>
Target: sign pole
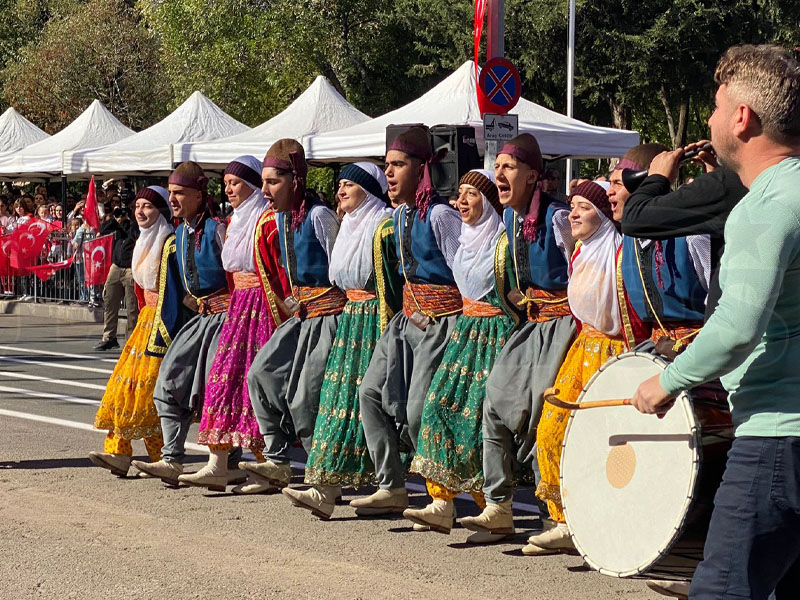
<point x="570" y="78"/>
<point x="495" y="48"/>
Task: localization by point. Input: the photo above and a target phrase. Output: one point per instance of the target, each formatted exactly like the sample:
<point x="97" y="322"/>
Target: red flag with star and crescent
<point x="97" y="259"/>
<point x="27" y="242"/>
<point x="6" y="270"/>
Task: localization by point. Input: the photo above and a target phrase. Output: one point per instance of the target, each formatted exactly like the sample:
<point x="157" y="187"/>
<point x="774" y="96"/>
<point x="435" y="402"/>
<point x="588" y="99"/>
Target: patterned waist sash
<point x="430" y="299"/>
<point x="213" y="304"/>
<point x="150" y="298"/>
<point x="320" y="301"/>
<point x="543" y="305"/>
<point x="476" y="308"/>
<point x="593" y="334"/>
<point x="682" y="333"/>
<point x="244" y="281"/>
<point x="361" y="295"/>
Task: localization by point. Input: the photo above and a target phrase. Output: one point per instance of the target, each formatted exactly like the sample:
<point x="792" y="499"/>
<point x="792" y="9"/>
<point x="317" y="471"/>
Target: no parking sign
<point x="501" y="86"/>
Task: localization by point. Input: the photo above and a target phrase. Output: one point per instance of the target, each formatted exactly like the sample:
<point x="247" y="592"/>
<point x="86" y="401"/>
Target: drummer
<point x="665" y="282"/>
<point x="593" y="300"/>
<point x="751" y="341"/>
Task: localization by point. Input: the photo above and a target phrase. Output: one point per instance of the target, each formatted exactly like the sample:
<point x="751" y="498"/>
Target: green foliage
<point x="99" y="50"/>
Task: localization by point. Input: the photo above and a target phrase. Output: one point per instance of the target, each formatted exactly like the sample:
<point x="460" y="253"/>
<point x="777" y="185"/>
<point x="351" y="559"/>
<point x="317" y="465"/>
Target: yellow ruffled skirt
<point x="587" y="354"/>
<point x="127" y="410"/>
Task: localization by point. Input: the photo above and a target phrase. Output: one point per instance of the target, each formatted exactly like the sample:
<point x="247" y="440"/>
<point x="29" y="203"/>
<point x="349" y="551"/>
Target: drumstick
<point x="551" y="396"/>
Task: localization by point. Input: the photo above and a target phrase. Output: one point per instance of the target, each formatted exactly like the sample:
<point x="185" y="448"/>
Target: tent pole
<point x="570" y="79"/>
<point x="64" y="201"/>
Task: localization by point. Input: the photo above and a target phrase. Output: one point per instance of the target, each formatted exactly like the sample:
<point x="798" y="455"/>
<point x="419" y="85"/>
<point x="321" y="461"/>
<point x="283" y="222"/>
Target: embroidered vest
<point x="682" y="296"/>
<point x="200" y="270"/>
<point x="416" y="244"/>
<point x="302" y="254"/>
<point x="539" y="264"/>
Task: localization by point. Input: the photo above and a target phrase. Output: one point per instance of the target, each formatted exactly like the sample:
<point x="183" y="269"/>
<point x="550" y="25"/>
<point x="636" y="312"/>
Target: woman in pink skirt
<point x="251" y="253"/>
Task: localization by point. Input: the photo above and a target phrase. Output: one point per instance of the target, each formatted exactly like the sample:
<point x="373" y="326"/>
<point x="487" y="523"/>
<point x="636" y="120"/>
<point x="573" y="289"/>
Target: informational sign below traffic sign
<point x="501" y="85"/>
<point x="500" y="127"/>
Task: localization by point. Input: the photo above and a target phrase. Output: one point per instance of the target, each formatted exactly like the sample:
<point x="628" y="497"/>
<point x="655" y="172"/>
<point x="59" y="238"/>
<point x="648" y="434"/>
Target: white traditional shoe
<point x="213" y="475"/>
<point x="253" y="485"/>
<point x="320" y="500"/>
<point x="236" y="476"/>
<point x="673" y="589"/>
<point x="166" y="471"/>
<point x="438" y="516"/>
<point x="552" y="541"/>
<point x="269" y="472"/>
<point x="495" y="518"/>
<point x="547" y="525"/>
<point x="118" y="464"/>
<point x="382" y="502"/>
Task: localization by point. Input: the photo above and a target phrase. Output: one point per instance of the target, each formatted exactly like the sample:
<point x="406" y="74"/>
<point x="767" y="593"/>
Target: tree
<point x="98" y="50"/>
<point x="231" y="50"/>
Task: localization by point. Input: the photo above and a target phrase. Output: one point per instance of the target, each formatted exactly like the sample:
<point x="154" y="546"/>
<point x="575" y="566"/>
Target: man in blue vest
<point x="408" y="353"/>
<point x="529" y="362"/>
<point x="286" y="376"/>
<point x="193" y="283"/>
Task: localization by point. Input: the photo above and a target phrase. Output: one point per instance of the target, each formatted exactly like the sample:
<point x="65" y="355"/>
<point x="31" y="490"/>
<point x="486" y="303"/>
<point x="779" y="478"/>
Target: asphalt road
<point x="71" y="530"/>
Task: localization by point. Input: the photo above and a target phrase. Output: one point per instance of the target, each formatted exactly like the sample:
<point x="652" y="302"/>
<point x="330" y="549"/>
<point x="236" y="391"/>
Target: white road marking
<point x="42" y="363"/>
<point x="88" y="386"/>
<point x="64" y="354"/>
<point x="49" y="396"/>
<point x="73" y="425"/>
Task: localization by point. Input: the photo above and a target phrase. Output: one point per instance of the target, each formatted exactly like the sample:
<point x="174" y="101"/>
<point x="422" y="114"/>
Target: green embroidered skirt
<point x="449" y="448"/>
<point x="339" y="453"/>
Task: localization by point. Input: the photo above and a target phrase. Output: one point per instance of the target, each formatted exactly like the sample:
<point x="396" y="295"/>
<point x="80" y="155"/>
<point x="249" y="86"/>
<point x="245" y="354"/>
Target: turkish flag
<point x="97" y="259"/>
<point x="90" y="212"/>
<point x="6" y="270"/>
<point x="45" y="271"/>
<point x="27" y="242"/>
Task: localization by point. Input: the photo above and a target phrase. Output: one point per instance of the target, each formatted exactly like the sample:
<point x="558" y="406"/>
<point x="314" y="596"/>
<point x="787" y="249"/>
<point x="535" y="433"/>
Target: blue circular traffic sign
<point x="501" y="85"/>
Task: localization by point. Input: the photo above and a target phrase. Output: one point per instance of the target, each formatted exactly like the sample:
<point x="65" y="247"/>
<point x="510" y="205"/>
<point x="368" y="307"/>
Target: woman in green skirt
<point x="363" y="264"/>
<point x="450" y="442"/>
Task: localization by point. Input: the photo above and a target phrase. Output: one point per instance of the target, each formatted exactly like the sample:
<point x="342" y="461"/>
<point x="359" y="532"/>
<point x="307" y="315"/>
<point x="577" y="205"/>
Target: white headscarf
<point x="237" y="251"/>
<point x="147" y="250"/>
<point x="592" y="288"/>
<point x="473" y="263"/>
<point x="351" y="261"/>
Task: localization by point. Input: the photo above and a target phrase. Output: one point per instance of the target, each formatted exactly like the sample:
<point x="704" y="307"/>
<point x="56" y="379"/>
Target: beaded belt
<point x="151" y="298"/>
<point x="320" y="301"/>
<point x="361" y="295"/>
<point x="244" y="281"/>
<point x="543" y="305"/>
<point x="430" y="299"/>
<point x="591" y="333"/>
<point x="476" y="308"/>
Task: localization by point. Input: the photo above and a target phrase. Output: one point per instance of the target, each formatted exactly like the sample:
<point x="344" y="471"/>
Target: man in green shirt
<point x="752" y="341"/>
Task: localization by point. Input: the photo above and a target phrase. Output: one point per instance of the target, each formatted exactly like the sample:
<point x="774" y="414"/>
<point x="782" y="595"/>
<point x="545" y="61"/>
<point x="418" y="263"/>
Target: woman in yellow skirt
<point x="593" y="300"/>
<point x="127" y="411"/>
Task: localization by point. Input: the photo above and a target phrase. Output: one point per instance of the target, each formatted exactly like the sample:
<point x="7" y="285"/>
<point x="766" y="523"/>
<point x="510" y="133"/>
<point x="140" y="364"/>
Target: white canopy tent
<point x="151" y="151"/>
<point x="318" y="109"/>
<point x="95" y="126"/>
<point x="454" y="102"/>
<point x="16" y="132"/>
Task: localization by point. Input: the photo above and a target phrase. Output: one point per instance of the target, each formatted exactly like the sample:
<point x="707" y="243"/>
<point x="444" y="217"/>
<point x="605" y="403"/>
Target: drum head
<point x="627" y="479"/>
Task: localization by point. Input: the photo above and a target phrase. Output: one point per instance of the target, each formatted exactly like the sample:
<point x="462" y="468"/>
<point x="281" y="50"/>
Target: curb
<point x="75" y="313"/>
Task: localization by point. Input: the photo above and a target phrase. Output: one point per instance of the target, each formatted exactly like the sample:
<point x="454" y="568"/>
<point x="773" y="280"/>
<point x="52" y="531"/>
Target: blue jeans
<point x="753" y="544"/>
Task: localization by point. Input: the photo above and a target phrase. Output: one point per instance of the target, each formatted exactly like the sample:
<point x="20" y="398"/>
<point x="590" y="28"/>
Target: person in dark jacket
<point x="654" y="211"/>
<point x="119" y="283"/>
